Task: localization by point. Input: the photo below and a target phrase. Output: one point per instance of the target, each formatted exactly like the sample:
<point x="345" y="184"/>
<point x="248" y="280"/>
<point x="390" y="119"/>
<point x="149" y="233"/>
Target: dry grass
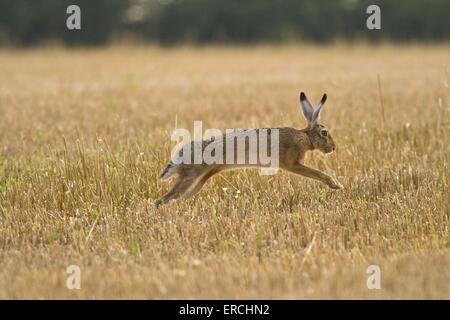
<point x="85" y="133"/>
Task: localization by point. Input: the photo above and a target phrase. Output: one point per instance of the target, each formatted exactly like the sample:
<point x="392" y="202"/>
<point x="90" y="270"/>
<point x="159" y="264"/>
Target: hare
<point x="292" y="146"/>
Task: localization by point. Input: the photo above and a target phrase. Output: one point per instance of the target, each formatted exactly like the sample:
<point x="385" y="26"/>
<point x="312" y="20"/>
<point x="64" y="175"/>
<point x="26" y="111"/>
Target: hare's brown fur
<point x="293" y="145"/>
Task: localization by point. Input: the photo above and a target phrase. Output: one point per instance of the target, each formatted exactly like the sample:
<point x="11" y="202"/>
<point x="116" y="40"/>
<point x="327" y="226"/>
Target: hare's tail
<point x="168" y="171"/>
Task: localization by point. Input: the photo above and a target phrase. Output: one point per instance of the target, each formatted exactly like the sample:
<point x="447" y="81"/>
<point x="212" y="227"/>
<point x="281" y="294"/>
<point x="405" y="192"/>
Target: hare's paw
<point x="157" y="203"/>
<point x="334" y="184"/>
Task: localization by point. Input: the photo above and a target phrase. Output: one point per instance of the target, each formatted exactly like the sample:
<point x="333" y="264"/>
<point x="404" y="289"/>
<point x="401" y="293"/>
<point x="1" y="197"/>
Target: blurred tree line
<point x="31" y="22"/>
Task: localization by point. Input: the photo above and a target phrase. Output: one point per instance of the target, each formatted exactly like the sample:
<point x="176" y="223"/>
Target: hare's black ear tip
<point x="324" y="98"/>
<point x="302" y="96"/>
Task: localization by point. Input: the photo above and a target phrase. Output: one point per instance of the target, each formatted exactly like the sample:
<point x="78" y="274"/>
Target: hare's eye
<point x="324" y="133"/>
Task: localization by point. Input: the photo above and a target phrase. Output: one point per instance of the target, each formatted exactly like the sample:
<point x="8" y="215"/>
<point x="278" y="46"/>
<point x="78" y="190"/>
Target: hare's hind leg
<point x="187" y="185"/>
<point x="199" y="183"/>
<point x="179" y="188"/>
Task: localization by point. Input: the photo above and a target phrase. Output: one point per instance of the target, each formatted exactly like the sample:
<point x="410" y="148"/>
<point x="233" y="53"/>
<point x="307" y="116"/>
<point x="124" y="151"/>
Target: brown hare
<point x="290" y="147"/>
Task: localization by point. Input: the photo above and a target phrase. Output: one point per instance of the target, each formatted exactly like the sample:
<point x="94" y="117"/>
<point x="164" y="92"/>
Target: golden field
<point x="85" y="133"/>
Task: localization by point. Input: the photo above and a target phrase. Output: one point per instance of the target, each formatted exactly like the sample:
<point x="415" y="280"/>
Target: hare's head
<point x="319" y="135"/>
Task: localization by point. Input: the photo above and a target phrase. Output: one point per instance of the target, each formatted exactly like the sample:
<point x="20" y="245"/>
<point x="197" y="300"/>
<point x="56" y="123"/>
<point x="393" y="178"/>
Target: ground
<point x="85" y="133"/>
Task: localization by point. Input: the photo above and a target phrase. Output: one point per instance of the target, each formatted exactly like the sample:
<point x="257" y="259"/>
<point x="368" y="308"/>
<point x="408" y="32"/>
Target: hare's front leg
<point x="305" y="171"/>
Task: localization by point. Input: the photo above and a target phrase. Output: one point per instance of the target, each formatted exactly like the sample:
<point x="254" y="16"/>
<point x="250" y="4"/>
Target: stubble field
<point x="84" y="135"/>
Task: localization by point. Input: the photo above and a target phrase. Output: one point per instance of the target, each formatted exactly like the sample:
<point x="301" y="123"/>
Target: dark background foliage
<point x="31" y="22"/>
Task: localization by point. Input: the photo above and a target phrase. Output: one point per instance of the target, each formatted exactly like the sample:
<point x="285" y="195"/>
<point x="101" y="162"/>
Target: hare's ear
<point x="316" y="114"/>
<point x="307" y="109"/>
